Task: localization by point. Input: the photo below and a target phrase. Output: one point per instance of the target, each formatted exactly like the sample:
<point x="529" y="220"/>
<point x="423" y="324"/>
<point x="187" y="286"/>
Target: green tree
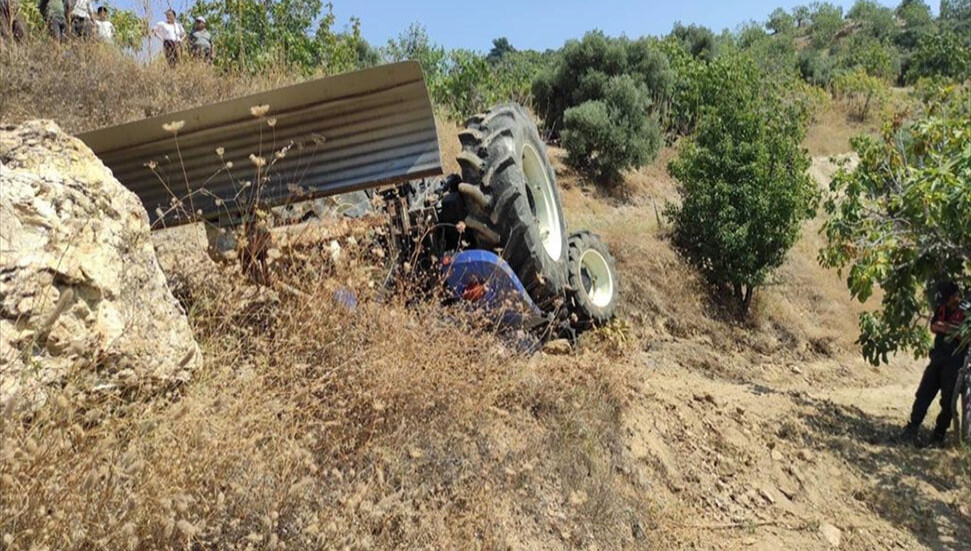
<point x="876" y="57"/>
<point x="955" y="17"/>
<point x="697" y="40"/>
<point x="744" y="186"/>
<point x="415" y="44"/>
<point x="901" y="219"/>
<point x="826" y="22"/>
<point x="917" y="21"/>
<point x="817" y="67"/>
<point x="801" y="16"/>
<point x="605" y="136"/>
<point x="780" y="21"/>
<point x="500" y="47"/>
<point x="873" y="19"/>
<point x="583" y="67"/>
<point x="940" y="54"/>
<point x="252" y="35"/>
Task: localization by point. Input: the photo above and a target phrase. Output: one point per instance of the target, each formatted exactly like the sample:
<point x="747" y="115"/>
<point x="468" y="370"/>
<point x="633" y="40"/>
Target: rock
<point x="831" y="534"/>
<point x="578" y="498"/>
<point x="795" y="369"/>
<point x="776" y="455"/>
<point x="804" y="455"/>
<point x="82" y="297"/>
<point x="558" y="347"/>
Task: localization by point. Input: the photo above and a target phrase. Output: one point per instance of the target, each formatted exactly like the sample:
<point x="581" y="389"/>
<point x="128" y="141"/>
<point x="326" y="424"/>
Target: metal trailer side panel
<point x="331" y="135"/>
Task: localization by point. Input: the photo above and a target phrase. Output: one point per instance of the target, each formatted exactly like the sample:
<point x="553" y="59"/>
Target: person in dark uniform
<point x="942" y="371"/>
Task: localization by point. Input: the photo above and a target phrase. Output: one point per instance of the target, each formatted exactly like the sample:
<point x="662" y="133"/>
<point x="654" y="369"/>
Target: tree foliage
<point x="873" y="19"/>
<point x="781" y="22"/>
<point x="500" y="47"/>
<point x="619" y="129"/>
<point x="252" y="35"/>
<point x="583" y="68"/>
<point x="826" y="20"/>
<point x="744" y="186"/>
<point x="940" y="53"/>
<point x="902" y="219"/>
<point x="464" y="82"/>
<point x="605" y="136"/>
<point x="862" y="93"/>
<point x="916" y="21"/>
<point x="697" y="40"/>
<point x="956" y="18"/>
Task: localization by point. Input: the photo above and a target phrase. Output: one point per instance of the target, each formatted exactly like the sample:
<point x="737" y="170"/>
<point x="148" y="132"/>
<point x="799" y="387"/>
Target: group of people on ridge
<point x="77" y="18"/>
<point x="173" y="36"/>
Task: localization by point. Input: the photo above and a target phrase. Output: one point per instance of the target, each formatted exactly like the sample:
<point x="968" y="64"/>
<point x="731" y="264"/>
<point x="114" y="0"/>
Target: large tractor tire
<point x="510" y="193"/>
<point x="594" y="283"/>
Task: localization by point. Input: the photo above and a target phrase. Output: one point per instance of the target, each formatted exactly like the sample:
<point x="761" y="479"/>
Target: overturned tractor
<point x="494" y="235"/>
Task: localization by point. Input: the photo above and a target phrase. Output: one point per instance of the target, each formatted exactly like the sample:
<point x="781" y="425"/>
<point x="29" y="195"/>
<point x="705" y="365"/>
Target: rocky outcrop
<point x="82" y="298"/>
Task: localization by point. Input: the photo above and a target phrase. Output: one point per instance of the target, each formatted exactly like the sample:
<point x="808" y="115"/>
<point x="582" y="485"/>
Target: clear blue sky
<point x="531" y="24"/>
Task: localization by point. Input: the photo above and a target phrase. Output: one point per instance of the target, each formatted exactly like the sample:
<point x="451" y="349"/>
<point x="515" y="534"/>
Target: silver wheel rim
<point x="598" y="282"/>
<point x="543" y="202"/>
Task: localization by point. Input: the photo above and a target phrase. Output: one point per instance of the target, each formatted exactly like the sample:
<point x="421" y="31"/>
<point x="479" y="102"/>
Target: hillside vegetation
<point x="403" y="423"/>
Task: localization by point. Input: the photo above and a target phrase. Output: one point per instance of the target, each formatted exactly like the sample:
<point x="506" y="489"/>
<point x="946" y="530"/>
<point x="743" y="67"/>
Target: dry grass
<point x="83" y="86"/>
<point x="314" y="426"/>
<point x="399" y="424"/>
<point x="833" y="126"/>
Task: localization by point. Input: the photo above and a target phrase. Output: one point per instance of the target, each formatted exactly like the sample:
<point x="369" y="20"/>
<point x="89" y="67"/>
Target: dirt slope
<point x="771" y="435"/>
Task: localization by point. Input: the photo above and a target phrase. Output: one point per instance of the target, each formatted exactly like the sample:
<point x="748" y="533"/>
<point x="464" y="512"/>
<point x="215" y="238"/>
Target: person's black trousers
<point x="941" y="375"/>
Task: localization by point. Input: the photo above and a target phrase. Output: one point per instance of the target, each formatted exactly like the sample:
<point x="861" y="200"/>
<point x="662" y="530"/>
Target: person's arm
<point x="939" y="324"/>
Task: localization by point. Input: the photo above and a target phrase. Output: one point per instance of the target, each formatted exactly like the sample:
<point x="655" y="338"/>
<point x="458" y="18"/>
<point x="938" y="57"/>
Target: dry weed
<point x="86" y="85"/>
<point x="315" y="425"/>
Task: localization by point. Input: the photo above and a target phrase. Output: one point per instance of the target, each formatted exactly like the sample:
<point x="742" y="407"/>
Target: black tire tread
<point x="586" y="312"/>
<point x="500" y="209"/>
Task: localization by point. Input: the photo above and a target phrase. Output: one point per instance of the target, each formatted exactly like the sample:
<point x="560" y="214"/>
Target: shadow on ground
<point x="905" y="489"/>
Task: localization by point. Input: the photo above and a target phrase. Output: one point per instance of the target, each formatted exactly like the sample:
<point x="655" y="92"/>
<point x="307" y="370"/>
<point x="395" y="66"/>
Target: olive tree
<point x="743" y="181"/>
<point x="617" y="132"/>
<point x="901" y="219"/>
<point x="781" y="22"/>
<point x="619" y="128"/>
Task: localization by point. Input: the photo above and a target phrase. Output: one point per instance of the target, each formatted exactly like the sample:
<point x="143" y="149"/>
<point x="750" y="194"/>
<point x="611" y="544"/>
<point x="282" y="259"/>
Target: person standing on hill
<point x="200" y="40"/>
<point x="104" y="29"/>
<point x="171" y="33"/>
<point x="942" y="371"/>
<point x="54" y="13"/>
<point x="10" y="24"/>
<point x="81" y="17"/>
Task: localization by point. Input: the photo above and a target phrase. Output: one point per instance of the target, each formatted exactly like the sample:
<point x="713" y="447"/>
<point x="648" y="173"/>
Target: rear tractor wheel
<point x="509" y="189"/>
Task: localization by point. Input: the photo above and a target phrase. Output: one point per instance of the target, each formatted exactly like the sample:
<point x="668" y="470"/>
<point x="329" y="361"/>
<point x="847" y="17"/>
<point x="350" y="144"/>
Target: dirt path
<point x="776" y="465"/>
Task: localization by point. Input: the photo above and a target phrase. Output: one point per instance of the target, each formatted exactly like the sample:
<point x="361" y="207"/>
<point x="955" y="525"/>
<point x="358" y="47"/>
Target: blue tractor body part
<point x="484" y="280"/>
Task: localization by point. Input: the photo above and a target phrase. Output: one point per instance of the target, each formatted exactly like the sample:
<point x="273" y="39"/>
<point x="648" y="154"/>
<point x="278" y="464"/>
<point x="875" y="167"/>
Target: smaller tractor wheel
<point x="594" y="283"/>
